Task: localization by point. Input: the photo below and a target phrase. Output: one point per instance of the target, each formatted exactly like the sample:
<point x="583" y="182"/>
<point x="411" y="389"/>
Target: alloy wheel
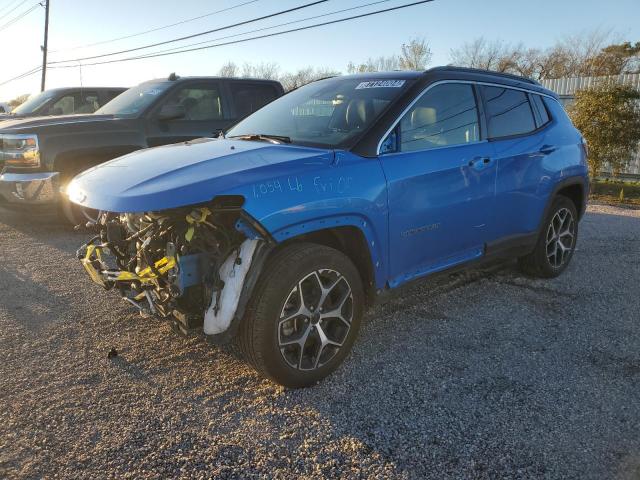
<point x="315" y="320"/>
<point x="560" y="238"/>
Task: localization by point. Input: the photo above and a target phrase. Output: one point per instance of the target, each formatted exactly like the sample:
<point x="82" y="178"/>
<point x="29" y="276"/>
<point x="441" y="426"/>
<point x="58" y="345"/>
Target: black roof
<point x="478" y="75"/>
<point x="459" y="73"/>
<point x="184" y="79"/>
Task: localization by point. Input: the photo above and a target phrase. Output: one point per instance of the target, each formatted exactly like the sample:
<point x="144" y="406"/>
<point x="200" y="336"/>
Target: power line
<point x="11" y="2"/>
<point x="33" y="71"/>
<point x="258" y="37"/>
<point x="253" y="20"/>
<point x="335" y="12"/>
<point x="19" y="17"/>
<point x="6" y="14"/>
<point x="102" y="42"/>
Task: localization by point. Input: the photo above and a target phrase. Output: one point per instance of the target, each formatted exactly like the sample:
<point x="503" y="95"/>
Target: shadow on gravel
<point x="45" y="228"/>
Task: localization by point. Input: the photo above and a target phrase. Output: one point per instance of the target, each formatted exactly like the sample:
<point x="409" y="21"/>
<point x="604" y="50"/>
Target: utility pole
<point x="45" y="46"/>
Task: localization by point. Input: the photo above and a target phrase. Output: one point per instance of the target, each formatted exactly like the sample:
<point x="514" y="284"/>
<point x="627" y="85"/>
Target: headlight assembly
<point x="19" y="150"/>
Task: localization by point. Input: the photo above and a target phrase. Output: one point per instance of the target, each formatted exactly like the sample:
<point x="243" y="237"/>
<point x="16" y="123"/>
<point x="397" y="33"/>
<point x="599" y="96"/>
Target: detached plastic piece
<point x="223" y="306"/>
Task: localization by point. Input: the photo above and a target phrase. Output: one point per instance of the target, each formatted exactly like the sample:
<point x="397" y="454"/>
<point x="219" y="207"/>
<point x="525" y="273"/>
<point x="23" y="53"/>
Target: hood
<point x="17" y="124"/>
<point x="188" y="173"/>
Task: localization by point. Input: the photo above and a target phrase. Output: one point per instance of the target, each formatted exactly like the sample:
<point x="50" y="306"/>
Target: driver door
<point x="441" y="183"/>
<point x="204" y="114"/>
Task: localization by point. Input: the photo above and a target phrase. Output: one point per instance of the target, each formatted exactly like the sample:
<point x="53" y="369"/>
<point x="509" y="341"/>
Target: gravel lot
<point x="485" y="374"/>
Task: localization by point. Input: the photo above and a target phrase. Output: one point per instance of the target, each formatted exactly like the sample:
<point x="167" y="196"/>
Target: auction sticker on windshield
<point x="381" y="84"/>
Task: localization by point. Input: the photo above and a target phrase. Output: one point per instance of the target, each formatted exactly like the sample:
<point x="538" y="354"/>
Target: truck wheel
<point x="556" y="242"/>
<point x="304" y="315"/>
<point x="77" y="215"/>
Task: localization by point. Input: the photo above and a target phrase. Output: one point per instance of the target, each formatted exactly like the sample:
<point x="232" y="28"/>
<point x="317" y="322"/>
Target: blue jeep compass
<point x="280" y="234"/>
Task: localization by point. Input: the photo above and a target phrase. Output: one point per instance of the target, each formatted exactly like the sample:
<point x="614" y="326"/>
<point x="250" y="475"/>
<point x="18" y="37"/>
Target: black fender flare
<point x="567" y="182"/>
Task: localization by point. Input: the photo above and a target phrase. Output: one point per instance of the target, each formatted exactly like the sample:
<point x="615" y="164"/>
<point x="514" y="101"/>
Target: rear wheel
<point x="304" y="316"/>
<point x="556" y="242"/>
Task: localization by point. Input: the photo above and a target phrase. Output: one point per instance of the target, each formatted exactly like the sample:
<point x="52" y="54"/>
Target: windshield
<point x="135" y="100"/>
<point x="328" y="113"/>
<point x="33" y="103"/>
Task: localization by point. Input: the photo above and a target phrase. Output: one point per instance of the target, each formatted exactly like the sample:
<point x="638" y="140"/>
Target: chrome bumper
<point x="30" y="188"/>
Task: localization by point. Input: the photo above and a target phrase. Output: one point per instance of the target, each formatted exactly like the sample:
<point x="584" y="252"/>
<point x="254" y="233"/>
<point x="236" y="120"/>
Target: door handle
<point x="547" y="149"/>
<point x="479" y="162"/>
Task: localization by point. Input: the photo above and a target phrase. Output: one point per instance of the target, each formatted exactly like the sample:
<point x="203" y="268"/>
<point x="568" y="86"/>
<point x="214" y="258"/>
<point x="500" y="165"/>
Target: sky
<point x="445" y="24"/>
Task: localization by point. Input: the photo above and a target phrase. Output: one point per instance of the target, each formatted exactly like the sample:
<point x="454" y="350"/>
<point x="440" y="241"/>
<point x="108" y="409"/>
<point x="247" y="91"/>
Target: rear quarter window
<point x="543" y="114"/>
<point x="508" y="112"/>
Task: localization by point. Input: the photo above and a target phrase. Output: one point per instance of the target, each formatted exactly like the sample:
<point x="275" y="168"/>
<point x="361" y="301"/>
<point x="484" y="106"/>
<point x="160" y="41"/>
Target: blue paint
<point x="420" y="211"/>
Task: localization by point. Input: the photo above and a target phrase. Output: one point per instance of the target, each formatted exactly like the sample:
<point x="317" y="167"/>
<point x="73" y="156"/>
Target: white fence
<point x="566" y="88"/>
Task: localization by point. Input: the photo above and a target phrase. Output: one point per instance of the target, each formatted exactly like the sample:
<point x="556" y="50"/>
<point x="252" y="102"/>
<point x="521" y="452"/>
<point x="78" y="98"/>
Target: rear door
<point x="517" y="134"/>
<point x="205" y="114"/>
<point x="441" y="183"/>
<point x="247" y="97"/>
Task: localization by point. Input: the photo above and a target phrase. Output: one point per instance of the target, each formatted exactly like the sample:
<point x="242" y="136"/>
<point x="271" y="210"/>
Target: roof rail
<point x="451" y="68"/>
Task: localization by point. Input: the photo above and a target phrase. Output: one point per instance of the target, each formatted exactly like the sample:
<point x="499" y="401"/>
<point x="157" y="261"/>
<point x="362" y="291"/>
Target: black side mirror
<point x="172" y="112"/>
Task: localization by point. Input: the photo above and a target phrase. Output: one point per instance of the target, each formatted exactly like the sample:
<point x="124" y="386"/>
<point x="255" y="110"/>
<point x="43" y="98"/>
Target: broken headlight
<point x="163" y="262"/>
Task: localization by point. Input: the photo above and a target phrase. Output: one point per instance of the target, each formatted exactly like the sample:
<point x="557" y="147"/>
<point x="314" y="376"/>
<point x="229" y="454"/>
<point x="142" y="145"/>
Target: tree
<point x="587" y="54"/>
<point x="378" y="64"/>
<point x="291" y="81"/>
<point x="19" y="100"/>
<point x="415" y="55"/>
<point x="229" y="69"/>
<point x="266" y="70"/>
<point x="618" y="58"/>
<point x="608" y="115"/>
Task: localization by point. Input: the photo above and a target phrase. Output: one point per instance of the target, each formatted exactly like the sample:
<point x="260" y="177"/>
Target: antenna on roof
<point x="173" y="77"/>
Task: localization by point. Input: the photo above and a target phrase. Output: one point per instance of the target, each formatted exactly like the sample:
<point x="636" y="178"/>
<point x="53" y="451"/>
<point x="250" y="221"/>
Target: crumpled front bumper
<point x="30" y="188"/>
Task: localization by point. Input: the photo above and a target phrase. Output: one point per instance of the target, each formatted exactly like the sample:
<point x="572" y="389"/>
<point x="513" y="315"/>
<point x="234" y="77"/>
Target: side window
<point x="508" y="112"/>
<point x="445" y="115"/>
<point x="543" y="114"/>
<point x="89" y="102"/>
<point x="250" y="97"/>
<point x="110" y="95"/>
<point x="200" y="102"/>
<point x="63" y="106"/>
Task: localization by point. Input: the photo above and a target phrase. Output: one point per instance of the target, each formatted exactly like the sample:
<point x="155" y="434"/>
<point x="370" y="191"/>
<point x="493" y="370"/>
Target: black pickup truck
<point x="39" y="156"/>
<point x="64" y="101"/>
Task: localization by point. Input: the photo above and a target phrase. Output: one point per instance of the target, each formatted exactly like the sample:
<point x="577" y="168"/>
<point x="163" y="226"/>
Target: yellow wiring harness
<point x="102" y="275"/>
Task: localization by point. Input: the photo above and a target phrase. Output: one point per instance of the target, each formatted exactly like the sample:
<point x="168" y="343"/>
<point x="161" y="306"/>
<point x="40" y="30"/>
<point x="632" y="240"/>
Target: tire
<point x="294" y="343"/>
<point x="75" y="214"/>
<point x="556" y="243"/>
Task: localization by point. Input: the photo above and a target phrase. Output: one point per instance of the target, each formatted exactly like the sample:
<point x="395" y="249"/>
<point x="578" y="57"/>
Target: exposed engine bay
<point x="190" y="264"/>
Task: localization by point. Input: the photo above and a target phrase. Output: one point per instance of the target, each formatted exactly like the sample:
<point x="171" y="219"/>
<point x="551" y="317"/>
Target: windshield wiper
<point x="263" y="137"/>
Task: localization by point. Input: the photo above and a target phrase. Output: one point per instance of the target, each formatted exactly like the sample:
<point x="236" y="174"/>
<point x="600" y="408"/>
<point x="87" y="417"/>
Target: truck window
<point x="200" y="103"/>
<point x="508" y="112"/>
<point x="85" y="102"/>
<point x="110" y="95"/>
<point x="249" y="97"/>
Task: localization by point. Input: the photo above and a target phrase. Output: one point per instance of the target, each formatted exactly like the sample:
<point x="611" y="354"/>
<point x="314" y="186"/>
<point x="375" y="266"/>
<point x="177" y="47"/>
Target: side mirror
<point x="172" y="112"/>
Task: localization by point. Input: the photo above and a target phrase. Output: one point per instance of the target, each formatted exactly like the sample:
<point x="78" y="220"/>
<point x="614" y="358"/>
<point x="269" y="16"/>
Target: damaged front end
<point x="193" y="265"/>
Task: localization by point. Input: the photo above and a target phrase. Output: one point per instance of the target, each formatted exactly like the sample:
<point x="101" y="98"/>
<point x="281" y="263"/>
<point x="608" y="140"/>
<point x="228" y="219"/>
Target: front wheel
<point x="304" y="316"/>
<point x="556" y="242"/>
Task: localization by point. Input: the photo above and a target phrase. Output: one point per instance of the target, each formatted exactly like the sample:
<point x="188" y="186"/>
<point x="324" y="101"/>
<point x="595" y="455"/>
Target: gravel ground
<point x="485" y="374"/>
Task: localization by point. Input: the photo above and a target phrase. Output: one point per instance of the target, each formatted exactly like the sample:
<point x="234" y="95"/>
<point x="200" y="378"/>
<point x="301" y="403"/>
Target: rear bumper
<point x="30" y="188"/>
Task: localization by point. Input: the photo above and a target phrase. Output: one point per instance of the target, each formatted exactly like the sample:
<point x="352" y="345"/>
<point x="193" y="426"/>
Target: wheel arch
<point x="575" y="188"/>
<point x="349" y="240"/>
